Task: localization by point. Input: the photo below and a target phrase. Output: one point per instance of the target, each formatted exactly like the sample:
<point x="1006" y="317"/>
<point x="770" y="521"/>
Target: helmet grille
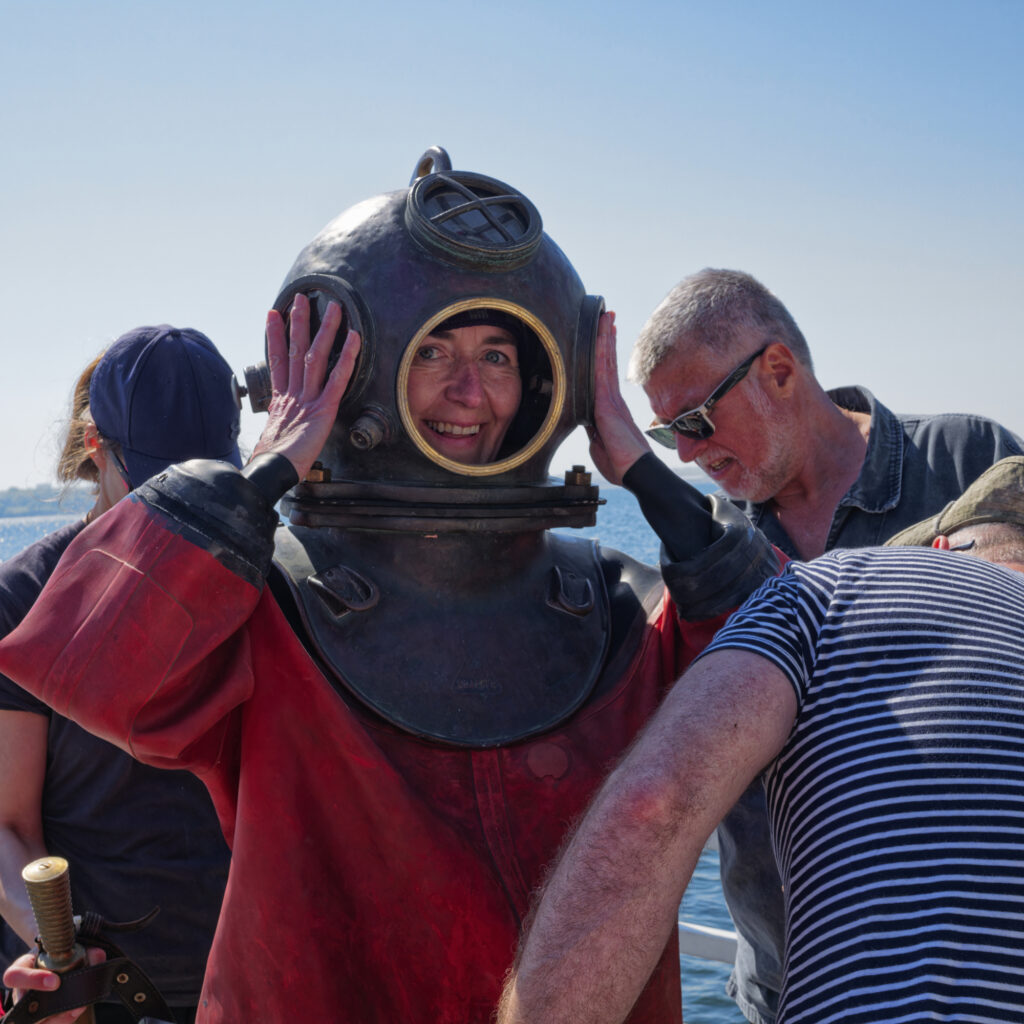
<point x="472" y="218"/>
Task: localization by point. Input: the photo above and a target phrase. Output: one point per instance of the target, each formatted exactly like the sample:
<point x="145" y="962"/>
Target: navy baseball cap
<point x="165" y="394"/>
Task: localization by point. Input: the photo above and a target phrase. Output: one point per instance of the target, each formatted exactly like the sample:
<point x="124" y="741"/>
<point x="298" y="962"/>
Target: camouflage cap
<point x="997" y="496"/>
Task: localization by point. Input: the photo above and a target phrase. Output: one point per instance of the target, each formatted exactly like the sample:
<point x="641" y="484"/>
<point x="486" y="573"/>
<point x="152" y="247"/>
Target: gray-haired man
<point x="730" y="379"/>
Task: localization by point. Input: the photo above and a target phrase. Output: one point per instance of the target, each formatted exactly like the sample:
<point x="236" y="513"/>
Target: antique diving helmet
<point x="430" y="586"/>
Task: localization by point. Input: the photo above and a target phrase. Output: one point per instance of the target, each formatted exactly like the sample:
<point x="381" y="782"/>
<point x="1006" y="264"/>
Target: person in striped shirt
<point x="881" y="690"/>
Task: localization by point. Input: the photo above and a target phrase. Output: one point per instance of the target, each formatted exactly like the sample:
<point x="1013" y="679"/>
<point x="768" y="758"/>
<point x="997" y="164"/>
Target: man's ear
<point x="779" y="369"/>
<point x="941" y="542"/>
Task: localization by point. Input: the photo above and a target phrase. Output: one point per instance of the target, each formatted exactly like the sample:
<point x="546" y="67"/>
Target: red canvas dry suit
<point x="375" y="876"/>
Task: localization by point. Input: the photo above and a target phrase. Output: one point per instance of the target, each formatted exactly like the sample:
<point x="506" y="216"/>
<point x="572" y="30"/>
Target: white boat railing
<point x="706" y="942"/>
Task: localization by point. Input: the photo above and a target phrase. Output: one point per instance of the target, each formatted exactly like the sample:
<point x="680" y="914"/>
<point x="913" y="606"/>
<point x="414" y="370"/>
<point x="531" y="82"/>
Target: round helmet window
<point x="481" y="387"/>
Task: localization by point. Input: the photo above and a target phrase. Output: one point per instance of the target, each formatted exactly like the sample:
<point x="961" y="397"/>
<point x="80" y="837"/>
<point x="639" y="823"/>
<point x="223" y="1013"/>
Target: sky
<point x="166" y="162"/>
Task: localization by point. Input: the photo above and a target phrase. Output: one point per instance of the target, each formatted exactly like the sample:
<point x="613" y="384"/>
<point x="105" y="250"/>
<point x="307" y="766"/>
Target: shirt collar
<point x="877" y="488"/>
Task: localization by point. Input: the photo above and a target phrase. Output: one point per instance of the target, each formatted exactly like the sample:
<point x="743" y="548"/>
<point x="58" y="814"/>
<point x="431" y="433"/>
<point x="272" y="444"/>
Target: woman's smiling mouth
<point x="452" y="429"/>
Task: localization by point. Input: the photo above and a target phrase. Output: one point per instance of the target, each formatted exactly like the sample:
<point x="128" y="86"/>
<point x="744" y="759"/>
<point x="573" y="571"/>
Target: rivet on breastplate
<point x="547" y="760"/>
<point x="570" y="593"/>
<point x="343" y="590"/>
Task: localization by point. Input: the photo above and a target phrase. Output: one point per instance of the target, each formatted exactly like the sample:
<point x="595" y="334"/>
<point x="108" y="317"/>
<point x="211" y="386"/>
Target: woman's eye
<point x="496" y="357"/>
<point x="427" y="352"/>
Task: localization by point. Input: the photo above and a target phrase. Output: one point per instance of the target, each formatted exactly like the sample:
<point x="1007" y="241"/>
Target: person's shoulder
<point x="897" y="562"/>
<point x="858" y="398"/>
<point x="853" y="558"/>
<point x="960" y="425"/>
<point x="842" y="564"/>
<point x="23" y="576"/>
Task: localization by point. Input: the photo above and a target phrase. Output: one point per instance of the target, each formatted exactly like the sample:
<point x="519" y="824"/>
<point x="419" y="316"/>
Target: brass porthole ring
<point x="558" y="391"/>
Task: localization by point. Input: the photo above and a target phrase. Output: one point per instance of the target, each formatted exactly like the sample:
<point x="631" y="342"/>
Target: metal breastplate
<point x="476" y="640"/>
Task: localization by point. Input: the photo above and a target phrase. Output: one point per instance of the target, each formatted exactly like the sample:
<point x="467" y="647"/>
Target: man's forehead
<point x="685" y="379"/>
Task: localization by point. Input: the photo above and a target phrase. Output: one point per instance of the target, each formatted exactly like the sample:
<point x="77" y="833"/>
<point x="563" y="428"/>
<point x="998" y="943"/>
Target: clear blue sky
<point x="167" y="161"/>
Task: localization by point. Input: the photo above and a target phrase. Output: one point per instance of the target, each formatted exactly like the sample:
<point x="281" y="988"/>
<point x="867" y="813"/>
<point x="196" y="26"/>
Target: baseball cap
<point x="997" y="496"/>
<point x="165" y="394"/>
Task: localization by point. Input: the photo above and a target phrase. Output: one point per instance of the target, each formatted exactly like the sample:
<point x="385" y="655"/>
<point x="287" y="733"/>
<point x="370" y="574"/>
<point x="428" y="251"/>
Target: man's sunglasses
<point x="696" y="424"/>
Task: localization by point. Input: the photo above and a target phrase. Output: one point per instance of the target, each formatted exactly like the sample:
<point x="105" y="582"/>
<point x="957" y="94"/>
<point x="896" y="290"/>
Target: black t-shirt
<point x="135" y="837"/>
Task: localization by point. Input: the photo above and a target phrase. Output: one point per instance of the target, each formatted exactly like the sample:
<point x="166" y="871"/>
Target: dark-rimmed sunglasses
<point x="696" y="424"/>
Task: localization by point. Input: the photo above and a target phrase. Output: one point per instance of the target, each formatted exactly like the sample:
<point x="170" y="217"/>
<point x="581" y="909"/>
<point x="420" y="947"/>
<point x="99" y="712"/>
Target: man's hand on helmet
<point x="615" y="440"/>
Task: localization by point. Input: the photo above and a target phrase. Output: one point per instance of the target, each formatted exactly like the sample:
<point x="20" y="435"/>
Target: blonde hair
<point x="75" y="462"/>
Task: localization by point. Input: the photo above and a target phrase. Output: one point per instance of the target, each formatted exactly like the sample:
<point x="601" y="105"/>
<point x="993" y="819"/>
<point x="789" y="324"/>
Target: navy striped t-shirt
<point x="897" y="803"/>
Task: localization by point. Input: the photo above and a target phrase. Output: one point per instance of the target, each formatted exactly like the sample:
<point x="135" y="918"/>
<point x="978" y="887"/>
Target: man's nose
<point x="464" y="386"/>
<point x="688" y="449"/>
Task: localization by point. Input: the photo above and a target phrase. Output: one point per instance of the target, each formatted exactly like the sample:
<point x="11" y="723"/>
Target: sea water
<point x="17" y="532"/>
<point x="621" y="526"/>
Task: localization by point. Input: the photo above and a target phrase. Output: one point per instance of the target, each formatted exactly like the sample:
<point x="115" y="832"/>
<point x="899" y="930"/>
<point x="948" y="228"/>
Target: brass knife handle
<point x="49" y="891"/>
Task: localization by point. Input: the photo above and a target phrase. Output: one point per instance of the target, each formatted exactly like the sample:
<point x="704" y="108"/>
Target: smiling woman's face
<point x="464" y="390"/>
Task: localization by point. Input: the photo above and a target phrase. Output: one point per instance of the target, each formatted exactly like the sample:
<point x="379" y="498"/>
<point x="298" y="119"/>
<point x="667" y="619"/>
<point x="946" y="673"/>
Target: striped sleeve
<point x="781" y="621"/>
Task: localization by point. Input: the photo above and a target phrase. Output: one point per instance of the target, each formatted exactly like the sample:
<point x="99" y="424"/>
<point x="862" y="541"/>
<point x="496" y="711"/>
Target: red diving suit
<point x="376" y="875"/>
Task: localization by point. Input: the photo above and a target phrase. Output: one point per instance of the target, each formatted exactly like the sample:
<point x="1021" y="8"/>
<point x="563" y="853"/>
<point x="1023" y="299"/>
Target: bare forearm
<point x="23" y="737"/>
<point x="606" y="915"/>
<point x="15" y="852"/>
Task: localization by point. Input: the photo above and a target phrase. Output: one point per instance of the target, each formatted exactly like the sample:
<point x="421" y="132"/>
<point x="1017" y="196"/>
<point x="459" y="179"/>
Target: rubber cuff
<point x="272" y="475"/>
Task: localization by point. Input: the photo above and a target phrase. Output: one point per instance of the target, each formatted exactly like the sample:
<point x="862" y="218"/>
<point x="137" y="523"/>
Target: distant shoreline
<point x="48" y="500"/>
<point x="45" y="500"/>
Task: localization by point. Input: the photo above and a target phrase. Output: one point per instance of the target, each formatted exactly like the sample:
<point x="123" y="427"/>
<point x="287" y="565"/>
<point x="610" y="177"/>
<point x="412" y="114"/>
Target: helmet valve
<point x="371" y="428"/>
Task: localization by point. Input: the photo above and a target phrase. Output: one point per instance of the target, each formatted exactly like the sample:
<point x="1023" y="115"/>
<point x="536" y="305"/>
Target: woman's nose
<point x="464" y="386"/>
